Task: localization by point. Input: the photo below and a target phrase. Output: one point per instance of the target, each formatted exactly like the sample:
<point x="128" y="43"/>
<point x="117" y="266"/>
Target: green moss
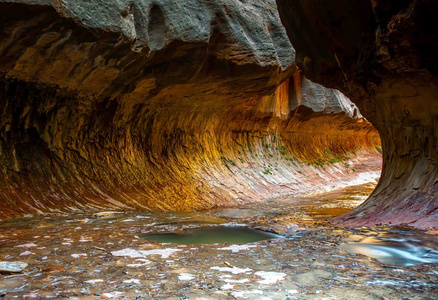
<point x="335" y="160"/>
<point x="267" y="171"/>
<point x="320" y="163"/>
<point x="331" y="158"/>
<point x="226" y="161"/>
<point x="282" y="150"/>
<point x="379" y="149"/>
<point x="271" y="7"/>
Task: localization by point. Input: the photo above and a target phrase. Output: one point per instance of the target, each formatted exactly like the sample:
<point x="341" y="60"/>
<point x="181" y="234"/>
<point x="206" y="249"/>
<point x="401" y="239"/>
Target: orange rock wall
<point x="87" y="122"/>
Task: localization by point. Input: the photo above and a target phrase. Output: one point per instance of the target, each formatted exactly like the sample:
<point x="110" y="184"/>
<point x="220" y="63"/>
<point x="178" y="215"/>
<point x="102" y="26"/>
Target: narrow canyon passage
<point x="160" y="149"/>
<point x="90" y="121"/>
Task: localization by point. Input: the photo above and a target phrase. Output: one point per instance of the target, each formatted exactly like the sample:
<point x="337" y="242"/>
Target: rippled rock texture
<point x="381" y="54"/>
<point x="161" y="105"/>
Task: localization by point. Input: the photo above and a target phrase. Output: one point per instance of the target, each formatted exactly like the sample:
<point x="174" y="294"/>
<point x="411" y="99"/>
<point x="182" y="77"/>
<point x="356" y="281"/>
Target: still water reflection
<point x="213" y="235"/>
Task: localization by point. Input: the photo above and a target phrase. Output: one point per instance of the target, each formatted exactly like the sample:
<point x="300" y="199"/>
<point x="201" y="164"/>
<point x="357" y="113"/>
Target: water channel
<point x="282" y="249"/>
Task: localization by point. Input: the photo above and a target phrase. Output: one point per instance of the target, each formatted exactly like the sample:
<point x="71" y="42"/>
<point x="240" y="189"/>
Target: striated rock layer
<point x="382" y="55"/>
<point x="162" y="105"/>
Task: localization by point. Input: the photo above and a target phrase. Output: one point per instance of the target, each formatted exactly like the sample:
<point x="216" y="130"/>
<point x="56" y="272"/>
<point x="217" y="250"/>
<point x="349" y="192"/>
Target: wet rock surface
<point x="101" y="256"/>
<point x="12" y="266"/>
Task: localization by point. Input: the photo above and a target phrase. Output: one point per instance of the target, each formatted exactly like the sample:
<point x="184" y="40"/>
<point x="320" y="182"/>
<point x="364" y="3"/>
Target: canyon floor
<point x="99" y="255"/>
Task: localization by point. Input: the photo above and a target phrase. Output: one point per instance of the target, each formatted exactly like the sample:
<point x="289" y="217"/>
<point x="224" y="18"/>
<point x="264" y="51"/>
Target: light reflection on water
<point x="392" y="249"/>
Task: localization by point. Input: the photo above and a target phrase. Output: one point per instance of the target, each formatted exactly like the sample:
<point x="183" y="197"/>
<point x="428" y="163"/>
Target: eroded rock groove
<point x="155" y="106"/>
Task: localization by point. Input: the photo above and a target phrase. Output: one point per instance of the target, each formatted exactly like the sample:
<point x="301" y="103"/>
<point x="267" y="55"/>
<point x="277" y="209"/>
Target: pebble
<point x="12" y="266"/>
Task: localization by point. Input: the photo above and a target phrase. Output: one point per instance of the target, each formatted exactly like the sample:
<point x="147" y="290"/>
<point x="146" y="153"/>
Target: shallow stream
<point x="283" y="249"/>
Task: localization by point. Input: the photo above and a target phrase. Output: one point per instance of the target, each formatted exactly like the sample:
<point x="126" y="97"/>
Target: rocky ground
<point x="105" y="255"/>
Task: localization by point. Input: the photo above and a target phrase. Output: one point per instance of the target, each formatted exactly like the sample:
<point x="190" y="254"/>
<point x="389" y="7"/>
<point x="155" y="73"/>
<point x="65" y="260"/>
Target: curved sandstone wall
<point x="381" y="55"/>
<point x="161" y="105"/>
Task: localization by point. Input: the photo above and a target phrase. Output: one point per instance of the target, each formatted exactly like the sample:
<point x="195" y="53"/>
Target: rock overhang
<point x="94" y="116"/>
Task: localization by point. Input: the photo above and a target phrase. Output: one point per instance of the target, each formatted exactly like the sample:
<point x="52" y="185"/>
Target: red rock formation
<point x="160" y="107"/>
<point x="380" y="54"/>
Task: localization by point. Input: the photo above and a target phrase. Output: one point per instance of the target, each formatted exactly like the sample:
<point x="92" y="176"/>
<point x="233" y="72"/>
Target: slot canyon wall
<point x="382" y="55"/>
<point x="162" y="105"/>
